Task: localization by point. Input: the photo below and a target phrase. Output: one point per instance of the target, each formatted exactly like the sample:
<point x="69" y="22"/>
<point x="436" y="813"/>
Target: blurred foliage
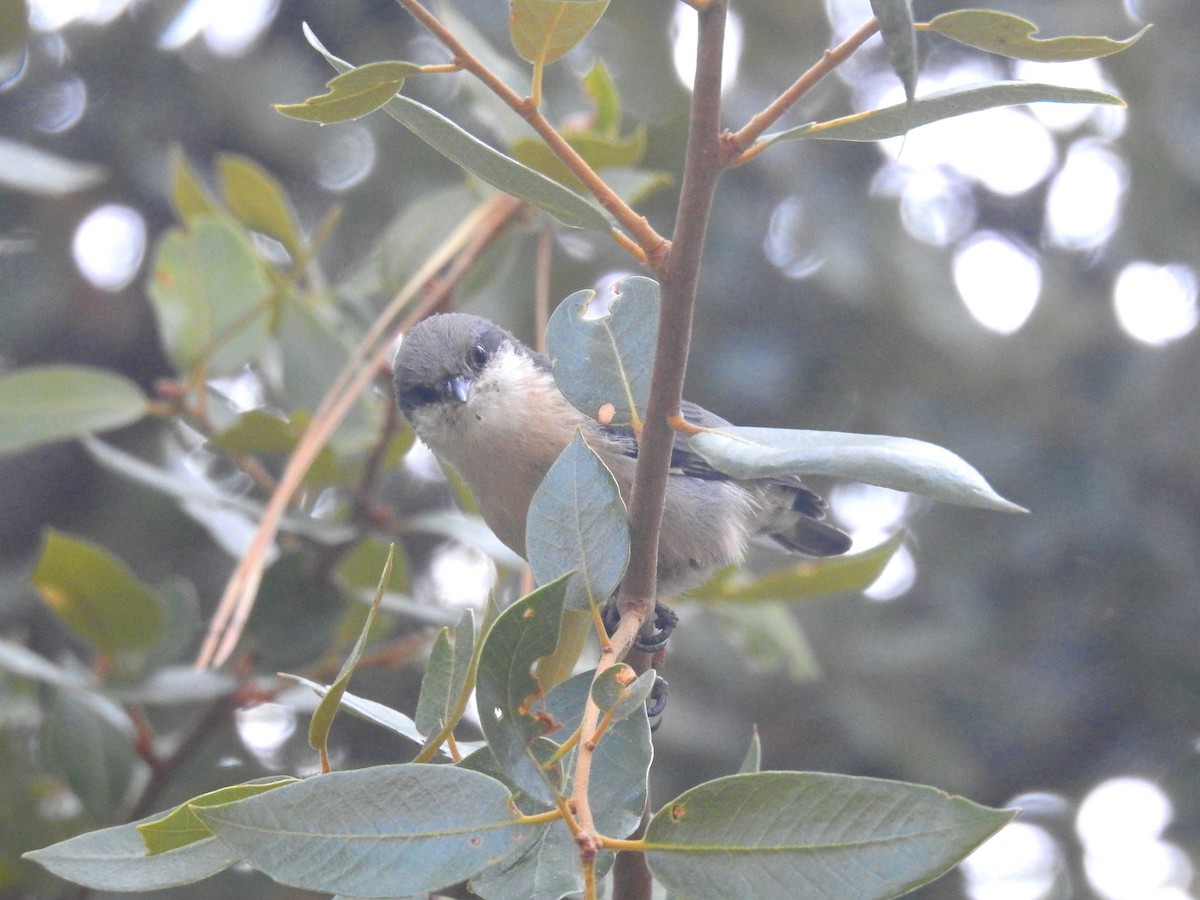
<point x="1032" y="653"/>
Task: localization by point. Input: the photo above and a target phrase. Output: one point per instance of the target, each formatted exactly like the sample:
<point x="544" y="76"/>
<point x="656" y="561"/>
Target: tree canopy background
<point x="852" y="287"/>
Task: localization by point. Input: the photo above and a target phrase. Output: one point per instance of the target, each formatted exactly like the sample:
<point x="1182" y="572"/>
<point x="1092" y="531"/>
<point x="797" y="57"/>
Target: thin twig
<point x="649" y="240"/>
<point x="741" y="142"/>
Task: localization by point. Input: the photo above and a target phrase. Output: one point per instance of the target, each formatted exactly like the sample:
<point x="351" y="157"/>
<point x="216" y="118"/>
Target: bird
<point x="487" y="406"/>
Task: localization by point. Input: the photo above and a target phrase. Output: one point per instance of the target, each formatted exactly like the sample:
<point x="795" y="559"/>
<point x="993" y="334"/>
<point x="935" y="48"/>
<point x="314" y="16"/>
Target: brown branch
<point x="741" y="142"/>
<point x="649" y="240"/>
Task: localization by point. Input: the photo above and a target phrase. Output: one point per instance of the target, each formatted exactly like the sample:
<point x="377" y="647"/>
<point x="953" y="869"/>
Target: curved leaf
<point x="511" y="703"/>
<point x="181" y="827"/>
<point x="353" y="94"/>
<point x="896" y="26"/>
<point x="820" y="835"/>
<point x="446" y="677"/>
<point x="802" y="580"/>
<point x="1009" y="35"/>
<point x="902" y="464"/>
<point x="34" y="171"/>
<point x="387" y="831"/>
<point x="603" y="364"/>
<point x="258" y="201"/>
<point x="96" y="594"/>
<point x="577" y="523"/>
<point x="544" y="31"/>
<point x="41" y="404"/>
<point x="484" y="162"/>
<point x="891" y="121"/>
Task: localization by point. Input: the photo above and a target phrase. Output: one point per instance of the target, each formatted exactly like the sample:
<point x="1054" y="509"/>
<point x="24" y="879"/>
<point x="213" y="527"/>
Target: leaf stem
<point x="742" y="142"/>
<point x="651" y="243"/>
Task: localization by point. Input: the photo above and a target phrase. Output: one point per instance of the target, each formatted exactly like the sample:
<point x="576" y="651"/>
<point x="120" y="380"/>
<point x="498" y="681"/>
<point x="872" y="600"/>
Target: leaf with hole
<point x="603" y="363"/>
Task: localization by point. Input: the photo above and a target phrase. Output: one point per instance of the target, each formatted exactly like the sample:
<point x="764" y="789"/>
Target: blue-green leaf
<point x="896" y="26"/>
<point x="892" y="121"/>
<point x="1012" y="36"/>
<point x="603" y="364"/>
<point x="902" y="464"/>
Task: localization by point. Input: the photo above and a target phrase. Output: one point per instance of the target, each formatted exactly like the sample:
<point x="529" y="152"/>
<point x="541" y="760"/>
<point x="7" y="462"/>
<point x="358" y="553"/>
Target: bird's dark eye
<point x="479" y="356"/>
<point x="419" y="395"/>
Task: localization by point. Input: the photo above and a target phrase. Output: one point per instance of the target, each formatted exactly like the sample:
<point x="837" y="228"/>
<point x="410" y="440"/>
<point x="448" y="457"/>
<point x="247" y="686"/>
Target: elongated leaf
<point x="181" y="827"/>
<point x="896" y="26"/>
<point x="902" y="464"/>
<point x="820" y="835"/>
<point x="891" y="121"/>
<point x="544" y="31"/>
<point x="484" y="162"/>
<point x="96" y="594"/>
<point x="353" y="94"/>
<point x="603" y="364"/>
<point x="41" y="404"/>
<point x="81" y="741"/>
<point x="387" y="831"/>
<point x="802" y="580"/>
<point x="322" y="718"/>
<point x="259" y="202"/>
<point x="115" y="859"/>
<point x="578" y="523"/>
<point x="602" y="91"/>
<point x="210" y="293"/>
<point x="1009" y="35"/>
<point x="34" y="171"/>
<point x="510" y="699"/>
<point x="446" y="677"/>
<point x="24" y="663"/>
<point x="752" y="761"/>
<point x="370" y="711"/>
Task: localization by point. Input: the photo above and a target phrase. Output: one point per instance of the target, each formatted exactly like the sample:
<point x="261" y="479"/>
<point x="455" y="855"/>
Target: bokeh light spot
<point x="1155" y="304"/>
<point x="1083" y="206"/>
<point x="109" y="246"/>
<point x="684" y="28"/>
<point x="1022" y="861"/>
<point x="998" y="282"/>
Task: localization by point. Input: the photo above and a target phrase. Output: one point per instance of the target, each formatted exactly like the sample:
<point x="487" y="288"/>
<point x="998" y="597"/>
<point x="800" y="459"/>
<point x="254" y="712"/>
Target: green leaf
<point x="369" y="711"/>
<point x="210" y="295"/>
<point x="510" y="699"/>
<point x="802" y="580"/>
<point x="353" y="94"/>
<point x="386" y="831"/>
<point x="257" y="201"/>
<point x="891" y="121"/>
<point x="616" y="792"/>
<point x="296" y="615"/>
<point x="90" y="742"/>
<point x="34" y="171"/>
<point x="769" y="638"/>
<point x="896" y="26"/>
<point x="603" y="365"/>
<point x="621" y="691"/>
<point x="902" y="464"/>
<point x="1009" y="35"/>
<point x="258" y="431"/>
<point x="322" y="718"/>
<point x="446" y="677"/>
<point x="189" y="197"/>
<point x="577" y="522"/>
<point x="115" y="859"/>
<point x="602" y="91"/>
<point x="821" y="835"/>
<point x="96" y="595"/>
<point x="544" y="31"/>
<point x="598" y="150"/>
<point x="41" y="404"/>
<point x="483" y="161"/>
<point x="181" y="826"/>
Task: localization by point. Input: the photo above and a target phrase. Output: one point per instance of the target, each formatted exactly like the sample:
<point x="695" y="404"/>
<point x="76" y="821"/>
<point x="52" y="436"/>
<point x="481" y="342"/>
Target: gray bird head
<point x="442" y="358"/>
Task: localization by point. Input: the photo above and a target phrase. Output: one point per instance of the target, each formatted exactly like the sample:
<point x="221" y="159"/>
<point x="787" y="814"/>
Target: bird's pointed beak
<point x="461" y="387"/>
